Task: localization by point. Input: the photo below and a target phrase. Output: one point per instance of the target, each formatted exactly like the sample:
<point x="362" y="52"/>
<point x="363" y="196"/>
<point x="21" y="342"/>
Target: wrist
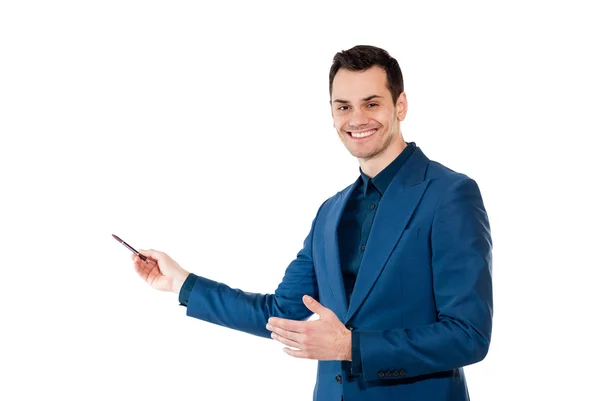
<point x="347" y="354"/>
<point x="178" y="281"/>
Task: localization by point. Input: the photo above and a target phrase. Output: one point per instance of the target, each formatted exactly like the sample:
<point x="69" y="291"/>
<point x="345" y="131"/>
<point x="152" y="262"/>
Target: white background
<point x="204" y="131"/>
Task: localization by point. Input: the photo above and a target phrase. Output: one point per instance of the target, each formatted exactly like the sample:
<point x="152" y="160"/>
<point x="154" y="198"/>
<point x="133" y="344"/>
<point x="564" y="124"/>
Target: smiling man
<point x="398" y="265"/>
<point x="369" y="127"/>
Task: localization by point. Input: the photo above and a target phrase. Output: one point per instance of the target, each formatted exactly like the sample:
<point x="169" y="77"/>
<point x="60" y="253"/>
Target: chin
<point x="362" y="155"/>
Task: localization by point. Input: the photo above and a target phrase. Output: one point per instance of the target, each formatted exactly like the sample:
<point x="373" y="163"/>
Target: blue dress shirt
<point x="357" y="219"/>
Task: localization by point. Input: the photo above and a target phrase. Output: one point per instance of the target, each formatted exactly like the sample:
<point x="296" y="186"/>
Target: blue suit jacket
<point x="422" y="303"/>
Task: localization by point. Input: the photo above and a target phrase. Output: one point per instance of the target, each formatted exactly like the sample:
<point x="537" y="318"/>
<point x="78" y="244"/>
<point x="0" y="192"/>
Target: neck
<point x="374" y="165"/>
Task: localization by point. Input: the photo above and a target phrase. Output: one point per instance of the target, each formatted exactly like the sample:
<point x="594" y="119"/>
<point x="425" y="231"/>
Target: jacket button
<point x="338" y="378"/>
<point x="388" y="374"/>
<point x="402" y="372"/>
<point x="396" y="373"/>
<point x="381" y="373"/>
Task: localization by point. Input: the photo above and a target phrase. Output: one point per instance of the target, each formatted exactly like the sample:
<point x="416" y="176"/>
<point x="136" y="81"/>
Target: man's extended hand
<point x="326" y="339"/>
<point x="160" y="270"/>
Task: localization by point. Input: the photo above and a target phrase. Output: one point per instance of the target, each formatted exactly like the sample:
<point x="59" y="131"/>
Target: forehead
<point x="356" y="85"/>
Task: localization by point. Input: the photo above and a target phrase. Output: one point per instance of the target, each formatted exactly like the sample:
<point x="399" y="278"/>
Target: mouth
<point x="358" y="135"/>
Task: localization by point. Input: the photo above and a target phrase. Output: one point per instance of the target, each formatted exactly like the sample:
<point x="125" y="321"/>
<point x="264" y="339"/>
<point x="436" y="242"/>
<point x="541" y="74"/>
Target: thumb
<point x="314" y="306"/>
<point x="156" y="255"/>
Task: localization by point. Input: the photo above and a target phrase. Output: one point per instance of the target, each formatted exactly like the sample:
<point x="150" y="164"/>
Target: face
<point x="364" y="115"/>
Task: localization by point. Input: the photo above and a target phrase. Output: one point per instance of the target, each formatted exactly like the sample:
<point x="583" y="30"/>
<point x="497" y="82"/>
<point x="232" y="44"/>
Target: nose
<point x="357" y="118"/>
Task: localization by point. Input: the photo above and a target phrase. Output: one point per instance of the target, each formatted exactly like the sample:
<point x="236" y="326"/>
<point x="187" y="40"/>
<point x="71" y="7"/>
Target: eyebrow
<point x="366" y="99"/>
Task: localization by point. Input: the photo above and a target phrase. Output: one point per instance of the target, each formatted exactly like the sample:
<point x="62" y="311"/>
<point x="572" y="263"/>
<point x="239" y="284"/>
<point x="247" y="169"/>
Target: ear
<point x="401" y="106"/>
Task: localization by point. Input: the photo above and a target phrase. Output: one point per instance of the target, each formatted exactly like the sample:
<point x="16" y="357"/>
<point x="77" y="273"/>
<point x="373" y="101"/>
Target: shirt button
<point x="372" y="206"/>
<point x="338" y="378"/>
<point x="362" y="248"/>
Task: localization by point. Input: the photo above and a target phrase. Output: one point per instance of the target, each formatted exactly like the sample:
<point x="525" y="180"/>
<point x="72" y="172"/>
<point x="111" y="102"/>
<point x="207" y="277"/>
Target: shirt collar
<point x="382" y="180"/>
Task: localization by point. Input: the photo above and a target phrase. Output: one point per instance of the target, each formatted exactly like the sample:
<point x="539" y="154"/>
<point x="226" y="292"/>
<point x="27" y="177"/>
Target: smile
<point x="362" y="134"/>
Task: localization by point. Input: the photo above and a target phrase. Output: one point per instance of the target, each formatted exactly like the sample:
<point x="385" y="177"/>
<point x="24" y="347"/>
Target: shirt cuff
<point x="356" y="364"/>
<point x="186" y="289"/>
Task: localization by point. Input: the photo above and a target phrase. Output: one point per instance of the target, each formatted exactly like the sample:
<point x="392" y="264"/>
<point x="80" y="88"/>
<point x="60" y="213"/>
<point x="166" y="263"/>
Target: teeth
<point x="362" y="134"/>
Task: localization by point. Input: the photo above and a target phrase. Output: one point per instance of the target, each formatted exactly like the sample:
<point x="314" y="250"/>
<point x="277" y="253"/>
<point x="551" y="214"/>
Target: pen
<point x="130" y="248"/>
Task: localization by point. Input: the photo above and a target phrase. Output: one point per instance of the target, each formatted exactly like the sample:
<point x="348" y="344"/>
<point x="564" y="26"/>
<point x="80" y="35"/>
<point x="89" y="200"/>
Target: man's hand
<point x="160" y="271"/>
<point x="326" y="339"/>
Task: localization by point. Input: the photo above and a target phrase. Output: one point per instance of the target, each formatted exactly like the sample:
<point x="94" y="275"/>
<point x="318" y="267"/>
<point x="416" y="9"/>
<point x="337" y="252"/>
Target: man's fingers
<point x="156" y="255"/>
<point x="314" y="306"/>
<point x="141" y="269"/>
<point x="137" y="260"/>
<point x="290" y="335"/>
<point x="285" y="341"/>
<point x="288" y="325"/>
<point x="295" y="353"/>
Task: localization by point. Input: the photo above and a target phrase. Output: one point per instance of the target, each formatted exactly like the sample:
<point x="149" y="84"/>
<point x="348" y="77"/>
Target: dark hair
<point x="363" y="57"/>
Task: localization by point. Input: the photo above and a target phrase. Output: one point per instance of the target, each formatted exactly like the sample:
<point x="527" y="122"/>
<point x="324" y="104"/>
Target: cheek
<point x="383" y="114"/>
<point x="338" y="123"/>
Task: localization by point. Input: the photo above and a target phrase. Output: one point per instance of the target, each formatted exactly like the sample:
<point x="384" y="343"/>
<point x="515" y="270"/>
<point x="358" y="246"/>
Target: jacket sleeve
<point x="462" y="283"/>
<point x="217" y="303"/>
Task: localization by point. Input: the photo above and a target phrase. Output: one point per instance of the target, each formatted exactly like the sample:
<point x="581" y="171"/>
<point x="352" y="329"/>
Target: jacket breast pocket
<point x="411" y="232"/>
<point x="414" y="242"/>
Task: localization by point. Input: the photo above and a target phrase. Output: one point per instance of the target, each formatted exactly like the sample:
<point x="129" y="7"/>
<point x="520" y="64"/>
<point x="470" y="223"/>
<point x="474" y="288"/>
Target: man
<point x="397" y="265"/>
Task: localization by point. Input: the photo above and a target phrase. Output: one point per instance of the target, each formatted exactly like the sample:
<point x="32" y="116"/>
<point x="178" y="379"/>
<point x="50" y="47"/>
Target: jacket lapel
<point x="332" y="256"/>
<point x="395" y="210"/>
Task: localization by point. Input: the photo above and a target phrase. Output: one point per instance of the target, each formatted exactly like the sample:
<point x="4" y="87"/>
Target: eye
<point x="343" y="108"/>
<point x="371" y="105"/>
